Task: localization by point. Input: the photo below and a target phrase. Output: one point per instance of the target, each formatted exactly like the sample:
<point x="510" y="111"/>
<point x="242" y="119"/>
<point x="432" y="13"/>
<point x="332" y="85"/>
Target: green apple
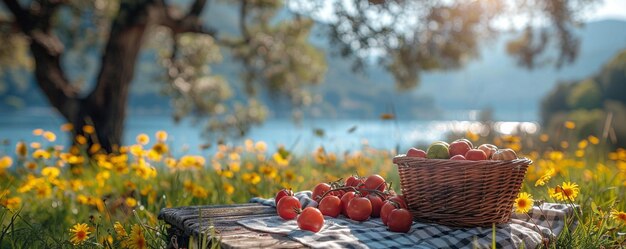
<point x="438" y="150"/>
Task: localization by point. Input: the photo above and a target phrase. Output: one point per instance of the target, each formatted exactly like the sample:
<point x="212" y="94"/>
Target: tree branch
<point x="243" y="12"/>
<point x="22" y="17"/>
<point x="196" y="8"/>
<point x="47" y="50"/>
<point x="188" y="23"/>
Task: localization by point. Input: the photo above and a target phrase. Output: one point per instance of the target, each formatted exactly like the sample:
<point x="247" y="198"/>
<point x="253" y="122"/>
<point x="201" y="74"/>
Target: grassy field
<point x="56" y="197"/>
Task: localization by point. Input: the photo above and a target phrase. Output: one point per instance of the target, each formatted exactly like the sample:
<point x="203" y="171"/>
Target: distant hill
<point x="492" y="81"/>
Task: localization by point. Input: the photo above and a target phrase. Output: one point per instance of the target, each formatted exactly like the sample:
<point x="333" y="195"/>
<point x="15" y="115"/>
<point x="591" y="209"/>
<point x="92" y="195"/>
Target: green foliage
<point x="585" y="95"/>
<point x="591" y="103"/>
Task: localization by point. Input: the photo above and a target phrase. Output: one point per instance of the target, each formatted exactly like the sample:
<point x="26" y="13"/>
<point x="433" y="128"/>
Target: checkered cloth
<point x="545" y="221"/>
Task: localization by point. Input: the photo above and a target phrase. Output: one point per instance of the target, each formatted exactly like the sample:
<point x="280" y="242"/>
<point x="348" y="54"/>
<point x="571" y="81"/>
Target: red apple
<point x="413" y="152"/>
<point x="489" y="149"/>
<point x="475" y="155"/>
<point x="466" y="141"/>
<point x="458" y="157"/>
<point x="505" y="154"/>
<point x="459" y="148"/>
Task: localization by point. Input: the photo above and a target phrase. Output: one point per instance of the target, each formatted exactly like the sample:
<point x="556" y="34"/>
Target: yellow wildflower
<point x="5" y="162"/>
<point x="89" y="129"/>
<point x="67" y="127"/>
<point x="569" y="125"/>
<point x="95" y="148"/>
<point x="154" y="156"/>
<point x="280" y="160"/>
<point x="119" y="229"/>
<point x="37" y="132"/>
<point x="583" y="144"/>
<point x="268" y="171"/>
<point x="50" y="136"/>
<point x="161" y="136"/>
<point x="249" y="145"/>
<point x="82" y="199"/>
<point x="593" y="139"/>
<point x="160" y="148"/>
<point x="136" y="150"/>
<point x="543" y="179"/>
<point x="41" y="154"/>
<point x="523" y="203"/>
<point x="35" y="145"/>
<point x="12" y="203"/>
<point x="199" y="192"/>
<point x="43" y="190"/>
<point x="79" y="233"/>
<point x="50" y="172"/>
<point x="144" y="170"/>
<point x="567" y="191"/>
<point x="252" y="178"/>
<point x="136" y="239"/>
<point x="102" y="177"/>
<point x="229" y="189"/>
<point x="544" y="137"/>
<point x="76" y="184"/>
<point x="260" y="147"/>
<point x="143" y="139"/>
<point x="234" y="166"/>
<point x="170" y="162"/>
<point x="226" y="173"/>
<point x="80" y="139"/>
<point x="20" y="149"/>
<point x="131" y="202"/>
<point x="619" y="216"/>
<point x="580" y="153"/>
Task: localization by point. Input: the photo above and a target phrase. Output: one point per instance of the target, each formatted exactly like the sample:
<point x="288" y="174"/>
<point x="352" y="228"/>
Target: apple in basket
<point x="438" y="150"/>
<point x="475" y="155"/>
<point x="489" y="149"/>
<point x="459" y="147"/>
<point x="504" y="154"/>
<point x="458" y="157"/>
<point x="414" y="152"/>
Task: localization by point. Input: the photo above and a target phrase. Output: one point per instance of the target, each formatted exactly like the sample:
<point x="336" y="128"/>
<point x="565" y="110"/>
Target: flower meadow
<point x="58" y="196"/>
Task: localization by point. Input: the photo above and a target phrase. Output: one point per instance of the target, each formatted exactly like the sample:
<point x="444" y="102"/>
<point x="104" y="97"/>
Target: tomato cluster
<point x="356" y="198"/>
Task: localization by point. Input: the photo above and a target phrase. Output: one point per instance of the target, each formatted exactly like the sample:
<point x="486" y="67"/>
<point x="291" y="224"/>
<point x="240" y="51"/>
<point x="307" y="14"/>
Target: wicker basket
<point x="460" y="193"/>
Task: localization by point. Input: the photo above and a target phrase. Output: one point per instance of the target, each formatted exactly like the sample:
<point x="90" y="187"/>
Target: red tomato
<point x="386" y="210"/>
<point x="288" y="207"/>
<point x="311" y="219"/>
<point x="345" y="199"/>
<point x="400" y="220"/>
<point x="282" y="193"/>
<point x="377" y="204"/>
<point x="375" y="182"/>
<point x="354" y="181"/>
<point x="400" y="200"/>
<point x="359" y="208"/>
<point x="330" y="205"/>
<point x="319" y="190"/>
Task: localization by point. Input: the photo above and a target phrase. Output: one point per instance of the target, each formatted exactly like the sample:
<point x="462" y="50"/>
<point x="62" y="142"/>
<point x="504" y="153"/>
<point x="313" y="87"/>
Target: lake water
<point x="339" y="135"/>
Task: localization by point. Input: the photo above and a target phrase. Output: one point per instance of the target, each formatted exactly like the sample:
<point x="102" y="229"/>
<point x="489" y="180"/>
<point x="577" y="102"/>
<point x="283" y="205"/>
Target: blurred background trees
<point x="51" y="38"/>
<point x="597" y="105"/>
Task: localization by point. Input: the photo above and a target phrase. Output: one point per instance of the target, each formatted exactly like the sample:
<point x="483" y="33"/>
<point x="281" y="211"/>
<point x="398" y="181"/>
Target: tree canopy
<point x="272" y="43"/>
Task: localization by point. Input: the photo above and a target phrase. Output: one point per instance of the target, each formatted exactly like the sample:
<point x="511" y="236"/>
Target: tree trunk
<point x="105" y="106"/>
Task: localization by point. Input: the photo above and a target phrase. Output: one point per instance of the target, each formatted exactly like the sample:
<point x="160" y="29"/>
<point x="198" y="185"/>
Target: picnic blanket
<point x="524" y="231"/>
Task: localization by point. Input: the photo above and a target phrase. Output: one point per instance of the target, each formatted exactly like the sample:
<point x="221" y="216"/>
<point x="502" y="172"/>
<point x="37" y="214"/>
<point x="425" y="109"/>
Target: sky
<point x="609" y="9"/>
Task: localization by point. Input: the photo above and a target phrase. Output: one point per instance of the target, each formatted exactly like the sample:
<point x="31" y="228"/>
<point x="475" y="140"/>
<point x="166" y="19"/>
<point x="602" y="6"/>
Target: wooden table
<point x="196" y="222"/>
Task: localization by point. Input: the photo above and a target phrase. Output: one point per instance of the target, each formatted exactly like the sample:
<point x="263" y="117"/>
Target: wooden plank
<point x="193" y="220"/>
